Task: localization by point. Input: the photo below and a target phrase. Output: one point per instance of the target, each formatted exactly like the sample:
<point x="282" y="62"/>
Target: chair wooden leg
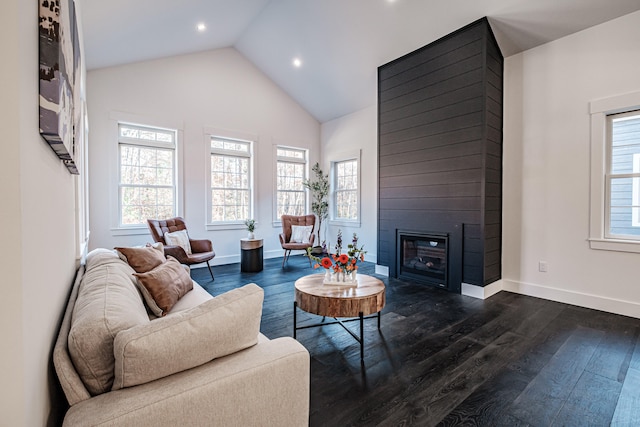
<point x="210" y="272"/>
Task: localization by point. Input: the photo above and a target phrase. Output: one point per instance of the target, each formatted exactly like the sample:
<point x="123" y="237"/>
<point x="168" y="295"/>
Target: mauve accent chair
<point x="201" y="250"/>
<point x="285" y="236"/>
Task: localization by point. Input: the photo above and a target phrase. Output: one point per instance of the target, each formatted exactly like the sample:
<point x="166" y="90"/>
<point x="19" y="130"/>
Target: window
<point x="291" y="171"/>
<point x="147" y="174"/>
<point x="231" y="198"/>
<point x="614" y="221"/>
<point x="345" y="195"/>
<point x="623" y="176"/>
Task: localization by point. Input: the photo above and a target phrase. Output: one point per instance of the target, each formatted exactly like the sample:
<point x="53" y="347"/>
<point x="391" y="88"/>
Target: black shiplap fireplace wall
<point x="440" y="147"/>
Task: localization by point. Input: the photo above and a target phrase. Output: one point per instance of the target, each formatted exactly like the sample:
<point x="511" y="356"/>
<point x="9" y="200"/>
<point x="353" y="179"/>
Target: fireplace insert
<point x="424" y="258"/>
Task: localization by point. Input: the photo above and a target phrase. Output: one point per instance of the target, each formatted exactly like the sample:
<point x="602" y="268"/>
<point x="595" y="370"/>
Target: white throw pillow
<point x="178" y="238"/>
<point x="301" y="233"/>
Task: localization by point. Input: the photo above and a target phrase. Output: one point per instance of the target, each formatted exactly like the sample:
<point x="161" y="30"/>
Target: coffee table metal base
<point x="360" y="318"/>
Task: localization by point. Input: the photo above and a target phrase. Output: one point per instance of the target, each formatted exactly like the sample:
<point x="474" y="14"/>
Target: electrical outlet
<point x="542" y="266"/>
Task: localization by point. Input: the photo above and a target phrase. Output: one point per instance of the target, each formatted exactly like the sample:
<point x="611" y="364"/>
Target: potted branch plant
<point x="319" y="188"/>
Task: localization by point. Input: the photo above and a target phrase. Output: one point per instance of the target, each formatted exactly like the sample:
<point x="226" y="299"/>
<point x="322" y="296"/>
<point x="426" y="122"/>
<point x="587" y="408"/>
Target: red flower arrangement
<point x="342" y="262"/>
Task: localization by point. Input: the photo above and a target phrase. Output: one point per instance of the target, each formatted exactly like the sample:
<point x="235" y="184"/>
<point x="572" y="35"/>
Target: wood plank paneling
<point x="461" y="81"/>
<point x="444" y="190"/>
<point x="440" y="148"/>
<point x="432" y="101"/>
<point x="442" y="139"/>
<point x="433" y="115"/>
<point x="456" y="122"/>
<point x="440" y="47"/>
<point x="431" y="66"/>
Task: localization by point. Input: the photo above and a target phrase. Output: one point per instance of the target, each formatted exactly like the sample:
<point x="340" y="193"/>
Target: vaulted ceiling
<point x="340" y="43"/>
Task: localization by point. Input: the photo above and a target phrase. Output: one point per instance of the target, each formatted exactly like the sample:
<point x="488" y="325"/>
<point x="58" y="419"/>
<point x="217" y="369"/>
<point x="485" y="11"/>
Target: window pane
<point x="625" y="144"/>
<point x="291" y="203"/>
<point x="147" y="176"/>
<point x="624" y="178"/>
<point x="291" y="194"/>
<point x="146" y="134"/>
<point x="624" y="212"/>
<point x="230" y="184"/>
<point x="346" y="194"/>
<point x="230" y="145"/>
<point x="346" y="205"/>
<point x="128" y="132"/>
<point x="291" y="153"/>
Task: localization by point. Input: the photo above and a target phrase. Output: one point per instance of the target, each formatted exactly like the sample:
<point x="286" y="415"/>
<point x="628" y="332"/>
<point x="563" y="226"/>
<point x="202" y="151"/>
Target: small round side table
<point x="251" y="255"/>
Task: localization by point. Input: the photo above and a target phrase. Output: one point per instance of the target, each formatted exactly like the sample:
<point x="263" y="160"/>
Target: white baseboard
<point x="277" y="253"/>
<point x="382" y="270"/>
<point x="481" y="292"/>
<point x="597" y="302"/>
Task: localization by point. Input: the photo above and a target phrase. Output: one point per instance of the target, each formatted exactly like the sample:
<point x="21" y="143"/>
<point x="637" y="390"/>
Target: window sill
<point x="129" y="231"/>
<point x="345" y="222"/>
<point x="615" y="245"/>
<point x="227" y="226"/>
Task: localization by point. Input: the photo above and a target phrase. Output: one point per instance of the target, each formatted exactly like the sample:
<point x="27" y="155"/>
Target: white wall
<point x="215" y="89"/>
<point x="38" y="245"/>
<point x="546" y="167"/>
<point x="11" y="364"/>
<point x="356" y="131"/>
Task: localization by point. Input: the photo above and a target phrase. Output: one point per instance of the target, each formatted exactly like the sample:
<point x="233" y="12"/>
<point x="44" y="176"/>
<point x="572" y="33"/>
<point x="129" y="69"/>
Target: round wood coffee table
<point x="355" y="302"/>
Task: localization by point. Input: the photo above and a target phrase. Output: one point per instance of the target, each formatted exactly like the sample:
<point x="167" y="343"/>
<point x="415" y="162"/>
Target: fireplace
<point x="424" y="258"/>
<point x="430" y="258"/>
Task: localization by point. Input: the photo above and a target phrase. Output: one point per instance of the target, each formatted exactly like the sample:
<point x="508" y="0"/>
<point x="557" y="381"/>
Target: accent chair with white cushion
<point x="297" y="234"/>
<point x="177" y="243"/>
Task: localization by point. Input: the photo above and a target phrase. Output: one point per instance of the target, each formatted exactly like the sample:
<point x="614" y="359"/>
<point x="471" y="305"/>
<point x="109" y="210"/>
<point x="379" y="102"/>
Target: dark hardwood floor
<point x="447" y="359"/>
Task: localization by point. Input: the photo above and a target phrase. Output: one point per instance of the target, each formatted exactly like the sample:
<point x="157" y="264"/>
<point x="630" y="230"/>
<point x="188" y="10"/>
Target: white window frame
<point x="635" y="192"/>
<point x="344" y="157"/>
<point x="234" y="136"/>
<point x="161" y="145"/>
<point x="277" y="221"/>
<point x="82" y="186"/>
<point x="600" y="149"/>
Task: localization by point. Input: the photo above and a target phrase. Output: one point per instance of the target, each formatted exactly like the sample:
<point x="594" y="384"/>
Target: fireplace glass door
<point x="424" y="258"/>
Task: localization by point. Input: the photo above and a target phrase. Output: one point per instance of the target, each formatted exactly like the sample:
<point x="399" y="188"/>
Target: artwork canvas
<point x="60" y="77"/>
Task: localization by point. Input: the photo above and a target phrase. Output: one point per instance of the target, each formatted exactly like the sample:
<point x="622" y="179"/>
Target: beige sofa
<point x="203" y="364"/>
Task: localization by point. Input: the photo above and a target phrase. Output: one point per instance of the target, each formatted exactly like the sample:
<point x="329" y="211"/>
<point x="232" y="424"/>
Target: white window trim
<point x="82" y="187"/>
<point x="277" y="222"/>
<point x="599" y="110"/>
<point x="635" y="192"/>
<point x="210" y="132"/>
<point x="114" y="167"/>
<point x="341" y="157"/>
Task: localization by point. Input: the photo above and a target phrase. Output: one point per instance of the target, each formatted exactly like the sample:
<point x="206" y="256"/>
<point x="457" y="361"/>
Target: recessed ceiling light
<point x="201" y="27"/>
<point x="297" y="62"/>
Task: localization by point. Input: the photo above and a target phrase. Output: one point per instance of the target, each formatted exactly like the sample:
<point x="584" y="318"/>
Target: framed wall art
<point x="60" y="78"/>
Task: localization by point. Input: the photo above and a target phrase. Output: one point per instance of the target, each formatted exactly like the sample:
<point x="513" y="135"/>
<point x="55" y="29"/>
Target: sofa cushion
<point x="163" y="286"/>
<point x="221" y="326"/>
<point x="143" y="259"/>
<point x="108" y="302"/>
<point x="194" y="297"/>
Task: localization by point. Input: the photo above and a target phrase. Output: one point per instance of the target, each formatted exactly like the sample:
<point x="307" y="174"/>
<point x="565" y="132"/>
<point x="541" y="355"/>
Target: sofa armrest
<point x="282" y="238"/>
<point x="267" y="384"/>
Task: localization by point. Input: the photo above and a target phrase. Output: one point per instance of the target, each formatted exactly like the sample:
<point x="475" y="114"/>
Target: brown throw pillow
<point x="143" y="259"/>
<point x="165" y="284"/>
